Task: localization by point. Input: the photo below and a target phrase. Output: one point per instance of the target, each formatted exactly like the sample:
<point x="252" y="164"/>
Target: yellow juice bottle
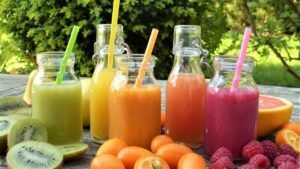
<point x="102" y="79"/>
<point x="100" y="85"/>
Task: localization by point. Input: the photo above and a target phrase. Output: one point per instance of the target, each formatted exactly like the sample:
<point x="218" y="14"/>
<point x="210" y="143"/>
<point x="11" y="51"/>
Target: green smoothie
<point x="58" y="107"/>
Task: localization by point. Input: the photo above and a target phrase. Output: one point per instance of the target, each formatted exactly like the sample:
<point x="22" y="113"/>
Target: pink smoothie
<point x="230" y="119"/>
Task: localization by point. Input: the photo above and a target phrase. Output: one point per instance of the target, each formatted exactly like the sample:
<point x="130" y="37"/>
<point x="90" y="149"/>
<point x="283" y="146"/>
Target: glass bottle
<point x="134" y="112"/>
<point x="58" y="107"/>
<point x="185" y="93"/>
<point x="101" y="81"/>
<point x="230" y="116"/>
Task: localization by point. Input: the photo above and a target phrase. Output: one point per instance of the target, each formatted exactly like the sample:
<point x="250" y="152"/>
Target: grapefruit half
<point x="274" y="112"/>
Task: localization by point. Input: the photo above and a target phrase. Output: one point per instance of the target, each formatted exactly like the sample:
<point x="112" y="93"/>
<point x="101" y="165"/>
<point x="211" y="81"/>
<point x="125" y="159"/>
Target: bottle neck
<point x="187" y="64"/>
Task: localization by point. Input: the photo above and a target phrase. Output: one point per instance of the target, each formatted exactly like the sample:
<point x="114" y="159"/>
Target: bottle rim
<point x="53" y="58"/>
<point x="134" y="61"/>
<point x="228" y="63"/>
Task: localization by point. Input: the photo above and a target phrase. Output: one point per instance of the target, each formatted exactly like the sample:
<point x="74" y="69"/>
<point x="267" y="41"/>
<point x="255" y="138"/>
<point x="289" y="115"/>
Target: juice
<point x="135" y="114"/>
<point x="100" y="84"/>
<point x="231" y="119"/>
<point x="58" y="107"/>
<point x="185" y="99"/>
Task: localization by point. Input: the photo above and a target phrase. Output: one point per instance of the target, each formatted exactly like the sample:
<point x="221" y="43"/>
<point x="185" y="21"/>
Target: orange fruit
<point x="112" y="146"/>
<point x="107" y="161"/>
<point x="151" y="162"/>
<point x="294" y="126"/>
<point x="192" y="161"/>
<point x="159" y="141"/>
<point x="274" y="112"/>
<point x="289" y="137"/>
<point x="172" y="153"/>
<point x="131" y="154"/>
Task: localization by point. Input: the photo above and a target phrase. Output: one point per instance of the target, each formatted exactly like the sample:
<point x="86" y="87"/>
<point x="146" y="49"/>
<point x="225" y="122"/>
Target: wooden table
<point x="14" y="85"/>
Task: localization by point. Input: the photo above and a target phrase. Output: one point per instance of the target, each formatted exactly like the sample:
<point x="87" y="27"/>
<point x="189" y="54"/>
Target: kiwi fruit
<point x="26" y="129"/>
<point x="34" y="155"/>
<point x="26" y="111"/>
<point x="5" y="124"/>
<point x="72" y="151"/>
<point x="9" y="104"/>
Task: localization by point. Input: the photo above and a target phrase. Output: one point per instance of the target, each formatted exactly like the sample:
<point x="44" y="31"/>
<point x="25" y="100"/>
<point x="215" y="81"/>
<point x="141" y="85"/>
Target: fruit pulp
<point x="134" y="114"/>
<point x="230" y="119"/>
<point x="58" y="107"/>
<point x="185" y="97"/>
<point x="100" y="85"/>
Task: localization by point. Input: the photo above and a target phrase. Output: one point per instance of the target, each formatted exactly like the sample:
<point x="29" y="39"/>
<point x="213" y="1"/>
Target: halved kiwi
<point x="26" y="111"/>
<point x="5" y="124"/>
<point x="11" y="103"/>
<point x="34" y="155"/>
<point x="72" y="151"/>
<point x="26" y="129"/>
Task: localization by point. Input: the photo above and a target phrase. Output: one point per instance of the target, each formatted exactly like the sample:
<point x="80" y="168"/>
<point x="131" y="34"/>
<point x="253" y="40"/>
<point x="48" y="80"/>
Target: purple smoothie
<point x="230" y="119"/>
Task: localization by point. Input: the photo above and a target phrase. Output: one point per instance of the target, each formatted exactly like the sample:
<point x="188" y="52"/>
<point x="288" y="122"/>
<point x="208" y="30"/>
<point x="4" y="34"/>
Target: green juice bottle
<point x="58" y="107"/>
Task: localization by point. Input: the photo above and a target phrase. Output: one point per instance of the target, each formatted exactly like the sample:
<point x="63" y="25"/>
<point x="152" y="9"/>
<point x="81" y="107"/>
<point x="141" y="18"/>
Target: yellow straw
<point x="147" y="56"/>
<point x="113" y="32"/>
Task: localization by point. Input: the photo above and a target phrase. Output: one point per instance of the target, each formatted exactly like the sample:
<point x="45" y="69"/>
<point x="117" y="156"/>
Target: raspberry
<point x="270" y="149"/>
<point x="221" y="152"/>
<point x="252" y="148"/>
<point x="282" y="159"/>
<point x="287" y="150"/>
<point x="287" y="165"/>
<point x="222" y="163"/>
<point x="260" y="161"/>
<point x="298" y="161"/>
<point x="248" y="166"/>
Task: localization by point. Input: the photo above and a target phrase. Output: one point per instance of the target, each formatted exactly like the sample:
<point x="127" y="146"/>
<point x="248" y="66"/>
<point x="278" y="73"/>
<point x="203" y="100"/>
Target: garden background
<point x="31" y="26"/>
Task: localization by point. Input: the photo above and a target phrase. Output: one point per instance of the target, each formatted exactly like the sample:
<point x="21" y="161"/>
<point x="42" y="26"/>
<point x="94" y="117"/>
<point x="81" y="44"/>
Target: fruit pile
<point x="26" y="139"/>
<point x="164" y="154"/>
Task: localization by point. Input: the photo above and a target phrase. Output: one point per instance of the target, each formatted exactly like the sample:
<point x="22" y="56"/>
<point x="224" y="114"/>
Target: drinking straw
<point x="67" y="54"/>
<point x="241" y="59"/>
<point x="147" y="56"/>
<point x="113" y="32"/>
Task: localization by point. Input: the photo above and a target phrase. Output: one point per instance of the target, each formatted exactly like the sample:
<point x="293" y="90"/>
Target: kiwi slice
<point x="34" y="155"/>
<point x="11" y="103"/>
<point x="5" y="124"/>
<point x="26" y="111"/>
<point x="72" y="151"/>
<point x="26" y="129"/>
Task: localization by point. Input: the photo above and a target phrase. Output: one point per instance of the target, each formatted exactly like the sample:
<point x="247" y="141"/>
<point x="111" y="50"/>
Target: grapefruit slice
<point x="274" y="112"/>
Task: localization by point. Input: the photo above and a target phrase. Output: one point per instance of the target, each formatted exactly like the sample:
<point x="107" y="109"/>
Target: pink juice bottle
<point x="230" y="117"/>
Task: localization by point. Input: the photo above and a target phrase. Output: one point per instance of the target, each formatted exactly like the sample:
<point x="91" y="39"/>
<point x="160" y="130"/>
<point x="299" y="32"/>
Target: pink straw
<point x="241" y="59"/>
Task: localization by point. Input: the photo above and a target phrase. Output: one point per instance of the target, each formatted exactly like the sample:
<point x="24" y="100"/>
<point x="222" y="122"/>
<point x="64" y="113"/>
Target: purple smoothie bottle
<point x="230" y="116"/>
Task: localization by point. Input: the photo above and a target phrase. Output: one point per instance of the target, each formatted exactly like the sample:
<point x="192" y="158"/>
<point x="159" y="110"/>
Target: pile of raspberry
<point x="260" y="155"/>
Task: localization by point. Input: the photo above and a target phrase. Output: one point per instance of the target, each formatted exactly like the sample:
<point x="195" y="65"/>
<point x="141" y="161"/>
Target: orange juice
<point x="134" y="114"/>
<point x="100" y="84"/>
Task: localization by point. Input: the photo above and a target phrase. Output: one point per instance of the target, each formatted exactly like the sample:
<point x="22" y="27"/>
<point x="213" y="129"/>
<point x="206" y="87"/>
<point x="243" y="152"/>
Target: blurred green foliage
<point x="44" y="25"/>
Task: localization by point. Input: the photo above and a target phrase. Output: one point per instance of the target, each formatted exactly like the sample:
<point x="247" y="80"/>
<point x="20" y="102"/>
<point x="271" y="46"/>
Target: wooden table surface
<point x="14" y="85"/>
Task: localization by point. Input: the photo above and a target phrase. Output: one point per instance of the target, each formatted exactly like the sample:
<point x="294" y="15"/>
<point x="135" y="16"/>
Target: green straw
<point x="68" y="52"/>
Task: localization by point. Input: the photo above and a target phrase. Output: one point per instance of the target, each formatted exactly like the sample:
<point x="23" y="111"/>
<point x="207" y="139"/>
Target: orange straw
<point x="147" y="56"/>
<point x="113" y="32"/>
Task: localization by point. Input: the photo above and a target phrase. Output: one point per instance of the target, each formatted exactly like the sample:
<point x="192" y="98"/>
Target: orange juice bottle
<point x="134" y="112"/>
<point x="101" y="81"/>
<point x="185" y="93"/>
